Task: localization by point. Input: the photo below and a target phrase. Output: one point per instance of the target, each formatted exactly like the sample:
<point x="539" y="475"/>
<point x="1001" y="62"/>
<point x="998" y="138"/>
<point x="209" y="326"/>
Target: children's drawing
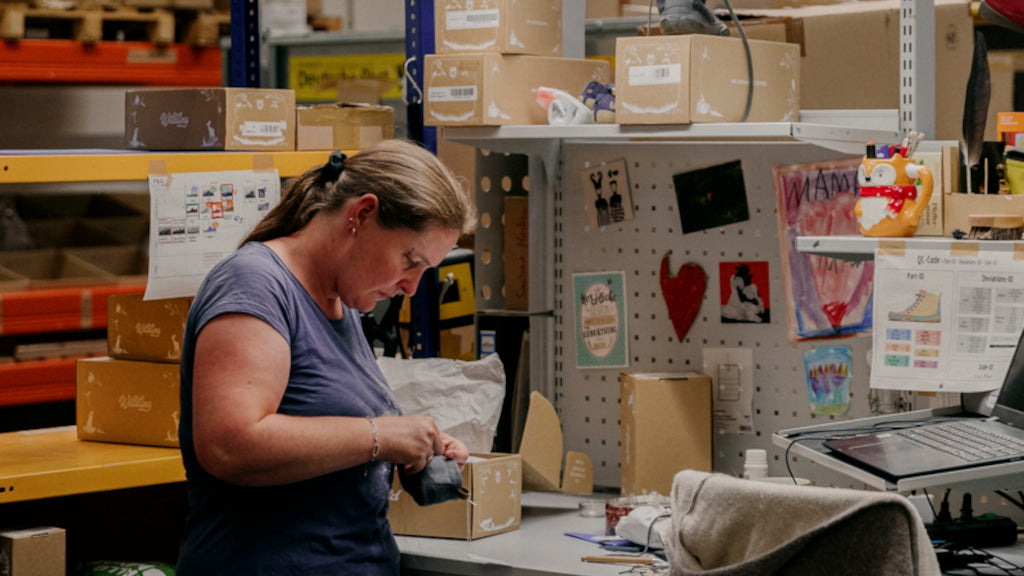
<point x="825" y="297"/>
<point x="743" y="290"/>
<point x="828" y="379"/>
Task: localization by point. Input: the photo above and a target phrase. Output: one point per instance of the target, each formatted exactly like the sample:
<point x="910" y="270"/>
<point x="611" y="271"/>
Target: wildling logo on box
<point x="174" y="119"/>
<point x="135" y="402"/>
<point x="147" y="329"/>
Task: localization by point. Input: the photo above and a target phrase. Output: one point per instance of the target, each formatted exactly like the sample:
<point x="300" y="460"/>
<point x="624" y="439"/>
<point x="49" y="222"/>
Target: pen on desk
<point x="618" y="559"/>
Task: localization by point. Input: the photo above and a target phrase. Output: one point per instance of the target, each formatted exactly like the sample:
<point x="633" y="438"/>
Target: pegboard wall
<point x="587" y="399"/>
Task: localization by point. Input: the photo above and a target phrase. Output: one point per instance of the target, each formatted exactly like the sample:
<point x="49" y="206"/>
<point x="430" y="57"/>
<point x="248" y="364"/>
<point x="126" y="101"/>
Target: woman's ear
<point x="365" y="207"/>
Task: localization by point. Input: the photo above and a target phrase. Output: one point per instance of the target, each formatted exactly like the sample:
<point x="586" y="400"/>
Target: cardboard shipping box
<point x="343" y="126"/>
<point x="504" y="26"/>
<point x="209" y="119"/>
<point x="683" y="79"/>
<point x="127" y="401"/>
<point x="33" y="552"/>
<point x="146" y="330"/>
<point x="487" y="89"/>
<point x="666" y="427"/>
<point x="850" y="55"/>
<point x="495" y="484"/>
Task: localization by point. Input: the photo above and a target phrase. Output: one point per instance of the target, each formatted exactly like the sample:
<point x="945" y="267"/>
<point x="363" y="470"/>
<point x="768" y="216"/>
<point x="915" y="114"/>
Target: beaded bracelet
<point x="376" y="440"/>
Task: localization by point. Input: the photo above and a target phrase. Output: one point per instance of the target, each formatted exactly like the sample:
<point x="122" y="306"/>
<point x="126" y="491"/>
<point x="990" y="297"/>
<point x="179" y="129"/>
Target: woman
<point x="288" y="430"/>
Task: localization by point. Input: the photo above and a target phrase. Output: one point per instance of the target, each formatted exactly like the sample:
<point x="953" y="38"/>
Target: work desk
<point x="539" y="547"/>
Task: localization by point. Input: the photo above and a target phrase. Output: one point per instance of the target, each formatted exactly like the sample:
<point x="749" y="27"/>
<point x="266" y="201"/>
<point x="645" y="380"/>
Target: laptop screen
<point x="1010" y="404"/>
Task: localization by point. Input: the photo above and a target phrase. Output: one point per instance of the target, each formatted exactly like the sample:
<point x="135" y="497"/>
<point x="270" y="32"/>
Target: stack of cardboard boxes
<point x="491" y="60"/>
<point x="131" y="395"/>
<point x="258" y="119"/>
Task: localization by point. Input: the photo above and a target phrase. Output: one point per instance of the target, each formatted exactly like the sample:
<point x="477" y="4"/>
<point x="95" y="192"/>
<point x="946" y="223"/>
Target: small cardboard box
<point x="504" y="26"/>
<point x="488" y="89"/>
<point x="145" y="330"/>
<point x="33" y="552"/>
<point x="495" y="483"/>
<point x="850" y="56"/>
<point x="127" y="401"/>
<point x="343" y="126"/>
<point x="683" y="79"/>
<point x="209" y="119"/>
<point x="666" y="427"/>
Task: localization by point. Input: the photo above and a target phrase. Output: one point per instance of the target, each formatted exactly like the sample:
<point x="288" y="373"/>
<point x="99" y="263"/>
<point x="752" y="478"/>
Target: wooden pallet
<point x="203" y="28"/>
<point x="88" y="26"/>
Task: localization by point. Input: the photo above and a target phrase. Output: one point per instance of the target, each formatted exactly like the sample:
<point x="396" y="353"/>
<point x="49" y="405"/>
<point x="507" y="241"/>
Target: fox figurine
<point x="890" y="203"/>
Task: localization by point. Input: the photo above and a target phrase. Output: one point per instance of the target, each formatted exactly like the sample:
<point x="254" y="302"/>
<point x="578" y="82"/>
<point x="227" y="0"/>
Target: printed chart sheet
<point x="198" y="218"/>
<point x="944" y="321"/>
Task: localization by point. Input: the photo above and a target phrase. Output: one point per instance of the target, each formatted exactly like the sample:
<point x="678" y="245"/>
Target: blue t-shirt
<point x="333" y="524"/>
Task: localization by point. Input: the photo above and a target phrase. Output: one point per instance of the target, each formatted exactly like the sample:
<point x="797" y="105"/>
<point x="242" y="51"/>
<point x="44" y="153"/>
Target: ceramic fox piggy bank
<point x="890" y="204"/>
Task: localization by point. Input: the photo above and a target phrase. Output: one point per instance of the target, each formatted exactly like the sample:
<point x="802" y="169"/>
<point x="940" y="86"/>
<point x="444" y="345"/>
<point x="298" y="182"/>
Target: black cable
<point x="750" y="61"/>
<point x="1010" y="499"/>
<point x="928" y="499"/>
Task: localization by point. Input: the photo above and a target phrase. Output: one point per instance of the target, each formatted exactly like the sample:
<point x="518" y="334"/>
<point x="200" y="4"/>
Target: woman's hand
<point x="411" y="441"/>
<point x="454" y="449"/>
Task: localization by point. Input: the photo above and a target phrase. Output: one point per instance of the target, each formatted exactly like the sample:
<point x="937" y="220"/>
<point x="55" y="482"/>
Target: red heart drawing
<point x="683" y="294"/>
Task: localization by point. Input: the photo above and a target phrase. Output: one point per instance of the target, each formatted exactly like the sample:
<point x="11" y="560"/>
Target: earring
<point x="353" y="226"/>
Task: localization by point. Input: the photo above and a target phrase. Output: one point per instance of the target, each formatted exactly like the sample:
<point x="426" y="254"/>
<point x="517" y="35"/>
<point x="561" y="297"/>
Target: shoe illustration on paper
<point x="926" y="308"/>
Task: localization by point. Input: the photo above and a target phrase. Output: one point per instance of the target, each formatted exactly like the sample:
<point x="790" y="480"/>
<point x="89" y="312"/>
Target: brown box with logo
<point x="666" y="427"/>
<point x="150" y="330"/>
<point x="494" y="506"/>
<point x="343" y="126"/>
<point x="127" y="401"/>
<point x="504" y="26"/>
<point x="487" y="89"/>
<point x="38" y="551"/>
<point x="684" y="79"/>
<point x="209" y="119"/>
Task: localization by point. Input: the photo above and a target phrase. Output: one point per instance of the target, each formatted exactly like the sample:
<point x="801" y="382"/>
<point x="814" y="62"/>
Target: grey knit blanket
<point x="725" y="526"/>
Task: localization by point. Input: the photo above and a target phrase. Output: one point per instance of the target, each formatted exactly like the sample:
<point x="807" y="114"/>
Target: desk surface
<point x="539" y="547"/>
<point x="52" y="462"/>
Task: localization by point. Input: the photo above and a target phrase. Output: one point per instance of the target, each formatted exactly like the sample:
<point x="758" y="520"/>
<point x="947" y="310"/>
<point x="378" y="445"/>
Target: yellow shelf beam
<point x="53" y="462"/>
<point x="119" y="165"/>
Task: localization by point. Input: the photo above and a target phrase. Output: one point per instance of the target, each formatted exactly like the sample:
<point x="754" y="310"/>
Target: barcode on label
<point x="470" y="19"/>
<point x="451" y="94"/>
<point x="651" y="75"/>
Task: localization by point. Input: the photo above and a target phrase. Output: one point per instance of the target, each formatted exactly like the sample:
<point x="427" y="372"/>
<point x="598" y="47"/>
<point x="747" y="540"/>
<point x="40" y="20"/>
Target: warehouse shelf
<point x="37" y="382"/>
<point x="135" y="63"/>
<point x="52" y="462"/>
<point x="842" y="130"/>
<point x="863" y="247"/>
<point x="70" y="166"/>
<point x="37" y="311"/>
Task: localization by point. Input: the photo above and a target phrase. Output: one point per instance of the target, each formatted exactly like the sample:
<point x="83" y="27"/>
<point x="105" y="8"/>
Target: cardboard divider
<point x="53" y="268"/>
<point x="541" y="450"/>
<point x="126" y="264"/>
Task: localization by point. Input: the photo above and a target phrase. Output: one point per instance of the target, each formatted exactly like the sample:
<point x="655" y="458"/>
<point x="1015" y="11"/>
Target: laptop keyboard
<point x="965" y="440"/>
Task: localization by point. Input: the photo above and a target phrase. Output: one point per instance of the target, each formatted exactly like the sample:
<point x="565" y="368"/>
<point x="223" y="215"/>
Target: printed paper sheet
<point x="198" y="218"/>
<point x="945" y="322"/>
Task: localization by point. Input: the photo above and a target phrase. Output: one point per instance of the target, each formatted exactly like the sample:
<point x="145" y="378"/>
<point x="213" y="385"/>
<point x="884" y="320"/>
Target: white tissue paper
<point x="464" y="398"/>
<point x="637" y="524"/>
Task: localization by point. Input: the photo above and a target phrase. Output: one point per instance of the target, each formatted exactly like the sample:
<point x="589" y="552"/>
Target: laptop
<point x="970" y="441"/>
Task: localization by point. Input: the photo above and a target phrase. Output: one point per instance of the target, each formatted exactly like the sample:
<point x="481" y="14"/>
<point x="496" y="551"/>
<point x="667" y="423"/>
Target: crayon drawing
<point x="825" y="297"/>
<point x="828" y="379"/>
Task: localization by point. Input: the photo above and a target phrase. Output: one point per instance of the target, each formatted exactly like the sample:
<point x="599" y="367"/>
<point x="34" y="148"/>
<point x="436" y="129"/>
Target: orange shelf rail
<point x="58" y="309"/>
<point x="37" y="382"/>
<point x="136" y="63"/>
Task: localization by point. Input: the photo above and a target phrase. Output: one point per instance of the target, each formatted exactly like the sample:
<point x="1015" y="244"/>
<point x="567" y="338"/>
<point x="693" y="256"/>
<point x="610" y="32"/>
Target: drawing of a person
<point x="744" y="305"/>
<point x="618" y="214"/>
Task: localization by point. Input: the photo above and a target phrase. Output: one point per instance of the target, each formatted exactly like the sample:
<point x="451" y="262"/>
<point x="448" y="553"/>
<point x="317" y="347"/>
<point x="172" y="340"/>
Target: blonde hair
<point x="413" y="187"/>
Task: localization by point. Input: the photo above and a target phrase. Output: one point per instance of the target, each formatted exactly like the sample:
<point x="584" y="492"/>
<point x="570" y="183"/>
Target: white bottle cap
<point x="755" y="464"/>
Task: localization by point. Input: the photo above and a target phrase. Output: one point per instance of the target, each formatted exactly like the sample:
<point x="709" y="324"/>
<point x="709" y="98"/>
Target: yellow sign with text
<point x="316" y="78"/>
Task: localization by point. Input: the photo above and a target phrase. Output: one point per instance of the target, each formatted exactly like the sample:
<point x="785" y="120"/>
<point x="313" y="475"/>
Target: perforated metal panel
<point x="588" y="399"/>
